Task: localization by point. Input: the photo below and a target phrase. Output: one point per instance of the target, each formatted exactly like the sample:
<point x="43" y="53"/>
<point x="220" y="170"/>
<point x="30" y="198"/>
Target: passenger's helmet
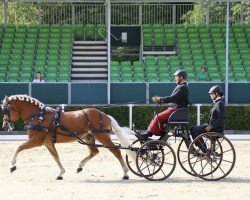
<point x="182" y="73"/>
<point x="216" y="89"/>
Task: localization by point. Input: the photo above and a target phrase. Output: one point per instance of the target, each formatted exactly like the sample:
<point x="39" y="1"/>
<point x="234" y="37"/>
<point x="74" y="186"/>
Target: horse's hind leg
<point x="31" y="143"/>
<point x="92" y="149"/>
<point x="53" y="152"/>
<point x="105" y="139"/>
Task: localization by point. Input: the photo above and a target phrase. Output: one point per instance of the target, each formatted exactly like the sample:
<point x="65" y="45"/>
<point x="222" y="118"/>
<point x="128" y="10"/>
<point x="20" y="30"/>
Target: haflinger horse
<point x="47" y="126"/>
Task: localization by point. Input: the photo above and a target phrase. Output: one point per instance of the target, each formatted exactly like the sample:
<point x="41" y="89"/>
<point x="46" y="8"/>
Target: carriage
<point x="153" y="160"/>
<point x="156" y="159"/>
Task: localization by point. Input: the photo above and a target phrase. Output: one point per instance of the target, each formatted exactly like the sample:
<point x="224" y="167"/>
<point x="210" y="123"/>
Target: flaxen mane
<point x="27" y="98"/>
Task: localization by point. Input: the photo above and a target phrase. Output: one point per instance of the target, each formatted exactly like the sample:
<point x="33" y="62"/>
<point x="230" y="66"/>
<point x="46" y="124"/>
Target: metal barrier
<point x="136" y="13"/>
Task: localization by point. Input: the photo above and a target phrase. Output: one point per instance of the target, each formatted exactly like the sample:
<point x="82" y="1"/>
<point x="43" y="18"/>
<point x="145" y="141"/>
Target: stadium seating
<point x="28" y="49"/>
<point x="202" y="45"/>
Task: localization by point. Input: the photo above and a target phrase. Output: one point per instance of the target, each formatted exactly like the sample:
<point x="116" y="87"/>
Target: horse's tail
<point x="121" y="134"/>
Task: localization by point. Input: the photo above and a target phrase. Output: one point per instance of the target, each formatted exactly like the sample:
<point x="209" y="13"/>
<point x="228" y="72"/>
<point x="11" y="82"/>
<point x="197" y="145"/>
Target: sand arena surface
<point x="102" y="177"/>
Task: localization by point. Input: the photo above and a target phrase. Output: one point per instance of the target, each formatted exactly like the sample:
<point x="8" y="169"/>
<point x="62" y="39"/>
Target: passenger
<point x="217" y="120"/>
<point x="178" y="99"/>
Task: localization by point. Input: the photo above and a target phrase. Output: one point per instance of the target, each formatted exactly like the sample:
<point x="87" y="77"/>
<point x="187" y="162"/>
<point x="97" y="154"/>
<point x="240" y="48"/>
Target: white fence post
<point x="130" y="115"/>
<point x="198" y="114"/>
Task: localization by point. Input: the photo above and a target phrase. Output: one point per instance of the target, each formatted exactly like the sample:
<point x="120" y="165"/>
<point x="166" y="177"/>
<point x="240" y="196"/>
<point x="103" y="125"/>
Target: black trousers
<point x="198" y="130"/>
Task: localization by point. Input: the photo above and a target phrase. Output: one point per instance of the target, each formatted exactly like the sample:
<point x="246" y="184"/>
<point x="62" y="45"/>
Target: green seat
<point x="245" y="57"/>
<point x="246" y="63"/>
<point x="197" y="56"/>
<point x="26" y="68"/>
<point x="198" y="63"/>
<point x="64" y="70"/>
<point x="138" y="69"/>
<point x="158" y="42"/>
<point x="13" y="75"/>
<point x="44" y="35"/>
<point x="50" y="76"/>
<point x="125" y="64"/>
<point x="214" y="77"/>
<point x="64" y="76"/>
<point x="165" y="77"/>
<point x="152" y="77"/>
<point x="12" y="79"/>
<point x="191" y="76"/>
<point x="240" y="76"/>
<point x="127" y="77"/>
<point x="147" y="41"/>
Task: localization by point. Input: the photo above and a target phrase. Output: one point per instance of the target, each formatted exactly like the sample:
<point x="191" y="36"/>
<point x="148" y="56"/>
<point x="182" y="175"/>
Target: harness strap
<point x="96" y="130"/>
<point x="56" y="123"/>
<point x="37" y="128"/>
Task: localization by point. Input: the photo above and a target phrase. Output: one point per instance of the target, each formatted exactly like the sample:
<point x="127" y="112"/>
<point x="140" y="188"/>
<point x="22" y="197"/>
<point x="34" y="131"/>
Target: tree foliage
<point x="217" y="12"/>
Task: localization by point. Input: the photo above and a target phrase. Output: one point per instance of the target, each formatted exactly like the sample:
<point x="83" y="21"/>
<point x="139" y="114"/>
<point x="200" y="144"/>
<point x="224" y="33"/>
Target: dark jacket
<point x="217" y="114"/>
<point x="179" y="96"/>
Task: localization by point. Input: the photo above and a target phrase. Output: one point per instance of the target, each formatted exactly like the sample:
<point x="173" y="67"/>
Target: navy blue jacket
<point x="179" y="96"/>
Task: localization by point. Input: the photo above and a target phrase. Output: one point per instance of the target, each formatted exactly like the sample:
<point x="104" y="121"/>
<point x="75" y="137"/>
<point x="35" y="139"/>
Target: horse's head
<point x="10" y="114"/>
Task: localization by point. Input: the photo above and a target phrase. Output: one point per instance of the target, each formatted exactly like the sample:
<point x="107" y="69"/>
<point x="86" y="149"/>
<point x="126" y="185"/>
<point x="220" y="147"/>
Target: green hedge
<point x="238" y="117"/>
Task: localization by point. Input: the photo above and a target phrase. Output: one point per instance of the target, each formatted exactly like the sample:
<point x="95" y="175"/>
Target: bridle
<point x="9" y="124"/>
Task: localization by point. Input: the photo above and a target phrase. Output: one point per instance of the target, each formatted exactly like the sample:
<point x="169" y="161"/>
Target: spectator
<point x="202" y="75"/>
<point x="38" y="78"/>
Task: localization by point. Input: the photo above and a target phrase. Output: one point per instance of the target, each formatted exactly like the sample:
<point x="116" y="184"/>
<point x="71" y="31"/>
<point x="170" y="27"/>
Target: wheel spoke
<point x="227" y="161"/>
<point x="222" y="170"/>
<point x="184" y="161"/>
<point x="168" y="163"/>
<point x="227" y="150"/>
<point x="183" y="151"/>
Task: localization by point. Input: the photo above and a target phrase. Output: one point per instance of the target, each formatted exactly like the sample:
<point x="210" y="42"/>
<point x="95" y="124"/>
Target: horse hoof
<point x="59" y="178"/>
<point x="78" y="170"/>
<point x="12" y="169"/>
<point x="125" y="177"/>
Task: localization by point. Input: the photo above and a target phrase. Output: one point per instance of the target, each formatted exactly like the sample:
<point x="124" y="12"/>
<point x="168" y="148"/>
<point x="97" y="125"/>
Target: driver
<point x="178" y="99"/>
<point x="217" y="119"/>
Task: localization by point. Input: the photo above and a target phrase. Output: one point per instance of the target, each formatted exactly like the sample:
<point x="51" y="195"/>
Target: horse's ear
<point x="6" y="99"/>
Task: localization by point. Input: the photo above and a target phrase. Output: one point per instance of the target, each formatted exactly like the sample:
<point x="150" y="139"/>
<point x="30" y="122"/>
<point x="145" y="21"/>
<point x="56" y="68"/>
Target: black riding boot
<point x="144" y="136"/>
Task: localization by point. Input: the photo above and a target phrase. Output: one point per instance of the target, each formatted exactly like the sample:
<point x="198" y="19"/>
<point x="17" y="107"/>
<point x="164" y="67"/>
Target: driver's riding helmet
<point x="216" y="89"/>
<point x="182" y="73"/>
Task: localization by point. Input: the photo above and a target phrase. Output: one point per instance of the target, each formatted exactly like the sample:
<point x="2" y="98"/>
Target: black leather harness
<point x="56" y="124"/>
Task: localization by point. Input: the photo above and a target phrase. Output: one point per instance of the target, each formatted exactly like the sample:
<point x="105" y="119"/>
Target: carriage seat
<point x="180" y="116"/>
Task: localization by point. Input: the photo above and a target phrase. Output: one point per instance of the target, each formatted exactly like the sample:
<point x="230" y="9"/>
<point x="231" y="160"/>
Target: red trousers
<point x="156" y="125"/>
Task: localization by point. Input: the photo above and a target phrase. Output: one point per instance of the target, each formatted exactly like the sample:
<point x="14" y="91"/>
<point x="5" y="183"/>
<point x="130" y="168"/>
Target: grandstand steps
<point x="89" y="53"/>
<point x="89" y="47"/>
<point x="84" y="64"/>
<point x="89" y="61"/>
<point x="94" y="58"/>
<point x="89" y="69"/>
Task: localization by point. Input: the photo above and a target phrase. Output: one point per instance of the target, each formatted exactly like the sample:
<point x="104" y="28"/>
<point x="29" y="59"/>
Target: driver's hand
<point x="208" y="128"/>
<point x="156" y="99"/>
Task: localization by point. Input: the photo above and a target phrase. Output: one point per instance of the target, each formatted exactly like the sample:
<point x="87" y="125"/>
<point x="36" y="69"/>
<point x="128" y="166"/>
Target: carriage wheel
<point x="131" y="164"/>
<point x="182" y="156"/>
<point x="217" y="162"/>
<point x="155" y="160"/>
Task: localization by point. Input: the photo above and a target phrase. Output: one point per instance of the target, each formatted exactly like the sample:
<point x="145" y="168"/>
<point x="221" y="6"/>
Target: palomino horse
<point x="88" y="124"/>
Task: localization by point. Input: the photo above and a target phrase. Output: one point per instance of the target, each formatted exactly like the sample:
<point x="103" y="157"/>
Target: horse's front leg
<point x="31" y="143"/>
<point x="53" y="152"/>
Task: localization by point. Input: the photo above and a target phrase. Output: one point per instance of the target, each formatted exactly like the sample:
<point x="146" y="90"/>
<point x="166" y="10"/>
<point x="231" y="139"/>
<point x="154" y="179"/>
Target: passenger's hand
<point x="156" y="99"/>
<point x="208" y="128"/>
